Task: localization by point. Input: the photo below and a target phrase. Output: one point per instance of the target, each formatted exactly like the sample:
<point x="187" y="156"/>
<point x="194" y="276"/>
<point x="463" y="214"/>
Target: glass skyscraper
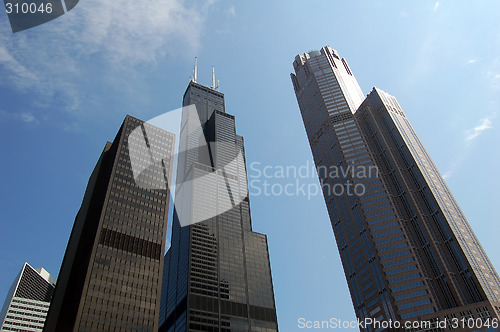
<point x="217" y="275"/>
<point x="110" y="277"/>
<point x="407" y="250"/>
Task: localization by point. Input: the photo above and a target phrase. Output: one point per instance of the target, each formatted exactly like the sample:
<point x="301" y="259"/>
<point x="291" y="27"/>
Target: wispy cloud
<point x="231" y="11"/>
<point x="26" y="117"/>
<point x="473" y="133"/>
<point x="133" y="32"/>
<point x="112" y="36"/>
<point x="436" y="6"/>
<point x="471" y="61"/>
<point x="461" y="155"/>
<point x="18" y="74"/>
<point x="448" y="174"/>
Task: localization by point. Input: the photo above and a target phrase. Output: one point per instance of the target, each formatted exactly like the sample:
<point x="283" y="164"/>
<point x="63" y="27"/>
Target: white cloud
<point x="448" y="174"/>
<point x="496" y="76"/>
<point x="25" y="117"/>
<point x="471" y="61"/>
<point x="112" y="36"/>
<point x="28" y="118"/>
<point x="436" y="6"/>
<point x="485" y="124"/>
<point x="16" y="72"/>
<point x="136" y="31"/>
<point x="231" y="11"/>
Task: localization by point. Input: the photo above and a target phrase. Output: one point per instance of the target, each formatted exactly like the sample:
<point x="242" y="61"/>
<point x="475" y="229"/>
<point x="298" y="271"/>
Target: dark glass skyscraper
<point x="110" y="277"/>
<point x="407" y="250"/>
<point x="217" y="274"/>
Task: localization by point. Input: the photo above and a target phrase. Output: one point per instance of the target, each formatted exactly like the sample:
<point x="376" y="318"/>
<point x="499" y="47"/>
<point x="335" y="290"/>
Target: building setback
<point x="217" y="273"/>
<point x="407" y="250"/>
<point x="27" y="301"/>
<point x="110" y="277"/>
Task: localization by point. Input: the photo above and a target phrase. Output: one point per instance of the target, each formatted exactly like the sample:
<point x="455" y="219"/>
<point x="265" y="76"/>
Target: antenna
<point x="195" y="70"/>
<point x="217" y="87"/>
<point x="213" y="79"/>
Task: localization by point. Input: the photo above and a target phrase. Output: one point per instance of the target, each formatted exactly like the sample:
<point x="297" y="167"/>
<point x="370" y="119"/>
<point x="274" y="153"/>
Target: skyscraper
<point x="217" y="274"/>
<point x="27" y="301"/>
<point x="407" y="250"/>
<point x="110" y="277"/>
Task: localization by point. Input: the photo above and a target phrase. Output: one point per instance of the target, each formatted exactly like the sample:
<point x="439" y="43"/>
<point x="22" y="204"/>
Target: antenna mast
<point x="195" y="70"/>
<point x="213" y="78"/>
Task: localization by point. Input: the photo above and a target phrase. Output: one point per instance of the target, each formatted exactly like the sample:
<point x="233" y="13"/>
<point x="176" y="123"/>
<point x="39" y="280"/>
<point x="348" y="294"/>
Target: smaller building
<point x="28" y="300"/>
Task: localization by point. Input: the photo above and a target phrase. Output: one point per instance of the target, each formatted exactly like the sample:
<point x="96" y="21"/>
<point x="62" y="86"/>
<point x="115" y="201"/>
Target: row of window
<point x="407" y="277"/>
<point x="401" y="270"/>
<point x="396" y="262"/>
<point x="408" y="295"/>
<point x="413" y="304"/>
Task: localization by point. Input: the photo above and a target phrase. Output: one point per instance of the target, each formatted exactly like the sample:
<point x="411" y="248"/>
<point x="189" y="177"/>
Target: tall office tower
<point x="217" y="273"/>
<point x="27" y="301"/>
<point x="110" y="277"/>
<point x="407" y="250"/>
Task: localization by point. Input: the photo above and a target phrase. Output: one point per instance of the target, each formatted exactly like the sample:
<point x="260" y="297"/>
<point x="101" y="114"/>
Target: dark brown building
<point x="110" y="277"/>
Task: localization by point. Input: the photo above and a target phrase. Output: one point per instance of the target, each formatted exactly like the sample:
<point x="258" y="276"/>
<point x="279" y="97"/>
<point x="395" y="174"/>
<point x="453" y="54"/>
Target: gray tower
<point x="217" y="274"/>
<point x="407" y="250"/>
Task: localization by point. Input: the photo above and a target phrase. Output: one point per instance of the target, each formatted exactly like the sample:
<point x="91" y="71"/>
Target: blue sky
<point x="66" y="86"/>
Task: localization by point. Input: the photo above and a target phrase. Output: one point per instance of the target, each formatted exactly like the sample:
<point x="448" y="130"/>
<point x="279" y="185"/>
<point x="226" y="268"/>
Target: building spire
<point x="195" y="70"/>
<point x="213" y="78"/>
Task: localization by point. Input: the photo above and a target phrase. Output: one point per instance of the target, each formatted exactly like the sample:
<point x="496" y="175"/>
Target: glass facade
<point x="111" y="272"/>
<point x="398" y="228"/>
<point x="454" y="263"/>
<point x="217" y="273"/>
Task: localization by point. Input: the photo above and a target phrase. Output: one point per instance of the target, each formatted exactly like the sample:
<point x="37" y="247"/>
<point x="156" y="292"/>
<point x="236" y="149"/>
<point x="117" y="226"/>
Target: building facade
<point x="407" y="250"/>
<point x="110" y="277"/>
<point x="217" y="274"/>
<point x="28" y="300"/>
